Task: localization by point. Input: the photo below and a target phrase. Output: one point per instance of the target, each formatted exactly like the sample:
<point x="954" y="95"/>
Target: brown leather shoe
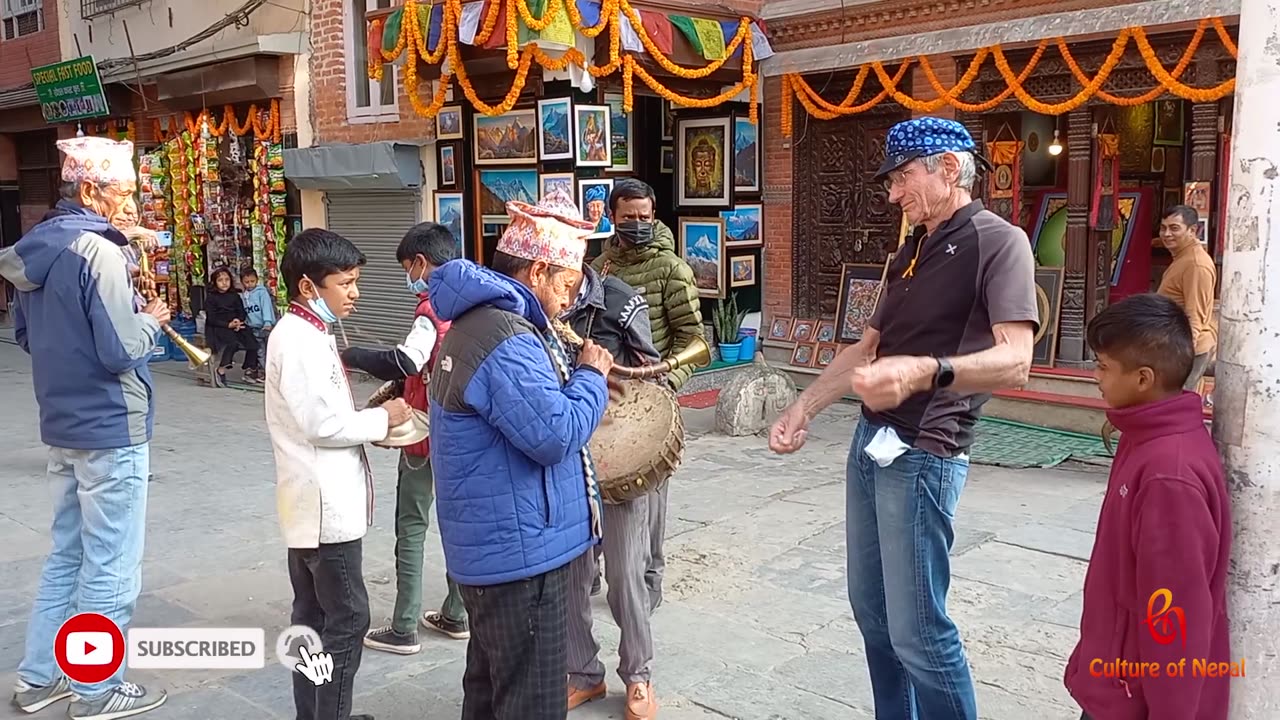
<point x="641" y="704"/>
<point x="578" y="696"/>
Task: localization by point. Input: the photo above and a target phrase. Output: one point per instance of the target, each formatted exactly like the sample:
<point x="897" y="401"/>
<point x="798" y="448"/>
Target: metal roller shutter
<point x="375" y="222"/>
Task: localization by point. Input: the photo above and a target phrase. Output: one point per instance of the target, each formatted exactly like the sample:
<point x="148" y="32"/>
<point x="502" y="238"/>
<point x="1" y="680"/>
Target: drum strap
<point x="561" y="360"/>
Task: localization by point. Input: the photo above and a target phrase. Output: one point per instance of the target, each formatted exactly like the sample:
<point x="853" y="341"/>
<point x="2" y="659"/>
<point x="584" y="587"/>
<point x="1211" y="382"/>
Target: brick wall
<point x="17" y="57"/>
<point x="777" y="206"/>
<point x="329" y="88"/>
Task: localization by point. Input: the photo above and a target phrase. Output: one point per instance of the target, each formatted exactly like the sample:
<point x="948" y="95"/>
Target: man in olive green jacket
<point x="642" y="253"/>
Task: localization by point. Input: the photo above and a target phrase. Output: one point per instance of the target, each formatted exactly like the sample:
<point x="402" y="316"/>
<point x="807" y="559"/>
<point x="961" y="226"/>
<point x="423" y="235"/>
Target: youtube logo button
<point x="89" y="648"/>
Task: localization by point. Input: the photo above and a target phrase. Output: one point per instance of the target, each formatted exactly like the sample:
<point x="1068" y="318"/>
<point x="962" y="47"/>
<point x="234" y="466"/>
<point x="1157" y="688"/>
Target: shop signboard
<point x="70" y="90"/>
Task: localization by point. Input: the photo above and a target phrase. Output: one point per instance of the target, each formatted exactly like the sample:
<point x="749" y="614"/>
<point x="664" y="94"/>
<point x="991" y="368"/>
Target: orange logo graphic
<point x="1161" y="622"/>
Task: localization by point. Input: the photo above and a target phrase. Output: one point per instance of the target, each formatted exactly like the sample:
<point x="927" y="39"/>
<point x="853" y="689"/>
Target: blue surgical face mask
<point x="417" y="287"/>
<point x="322" y="311"/>
<point x="321" y="308"/>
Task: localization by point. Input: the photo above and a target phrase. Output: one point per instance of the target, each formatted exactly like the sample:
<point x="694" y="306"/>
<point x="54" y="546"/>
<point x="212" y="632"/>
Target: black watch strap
<point x="945" y="374"/>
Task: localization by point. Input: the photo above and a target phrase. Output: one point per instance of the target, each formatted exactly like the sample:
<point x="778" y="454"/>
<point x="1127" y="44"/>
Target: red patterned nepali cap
<point x="97" y="160"/>
<point x="552" y="231"/>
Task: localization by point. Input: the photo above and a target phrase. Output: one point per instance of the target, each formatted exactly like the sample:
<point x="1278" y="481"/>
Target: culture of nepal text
<point x="1197" y="668"/>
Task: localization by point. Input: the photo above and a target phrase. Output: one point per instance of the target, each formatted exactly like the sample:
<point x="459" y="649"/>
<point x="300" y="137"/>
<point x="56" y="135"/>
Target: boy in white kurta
<point x="324" y="489"/>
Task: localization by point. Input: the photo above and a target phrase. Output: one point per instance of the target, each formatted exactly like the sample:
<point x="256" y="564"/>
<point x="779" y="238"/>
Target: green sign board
<point x="70" y="90"/>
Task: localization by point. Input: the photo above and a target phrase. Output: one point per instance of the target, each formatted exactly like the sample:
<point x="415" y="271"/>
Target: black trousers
<point x="329" y="597"/>
<point x="516" y="658"/>
<point x="243" y="340"/>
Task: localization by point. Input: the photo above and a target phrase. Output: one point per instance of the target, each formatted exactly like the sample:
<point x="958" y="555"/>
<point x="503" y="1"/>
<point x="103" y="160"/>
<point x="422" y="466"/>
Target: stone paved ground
<point x="756" y="625"/>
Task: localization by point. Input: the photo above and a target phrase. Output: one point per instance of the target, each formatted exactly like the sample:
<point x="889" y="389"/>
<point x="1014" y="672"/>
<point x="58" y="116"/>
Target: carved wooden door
<point x="840" y="215"/>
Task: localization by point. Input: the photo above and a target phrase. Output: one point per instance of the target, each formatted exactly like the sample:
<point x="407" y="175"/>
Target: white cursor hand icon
<point x="317" y="668"/>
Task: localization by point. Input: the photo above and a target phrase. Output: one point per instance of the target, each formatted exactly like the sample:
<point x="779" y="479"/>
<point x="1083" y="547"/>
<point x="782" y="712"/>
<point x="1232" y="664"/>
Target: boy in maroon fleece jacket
<point x="1155" y="594"/>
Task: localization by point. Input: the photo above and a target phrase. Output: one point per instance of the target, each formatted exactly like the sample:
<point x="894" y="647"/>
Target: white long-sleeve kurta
<point x="322" y="495"/>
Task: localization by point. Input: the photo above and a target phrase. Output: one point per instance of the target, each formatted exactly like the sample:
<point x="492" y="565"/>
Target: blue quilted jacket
<point x="506" y="433"/>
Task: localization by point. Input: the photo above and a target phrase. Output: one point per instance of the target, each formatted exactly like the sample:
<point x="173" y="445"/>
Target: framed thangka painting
<point x="703" y="175"/>
<point x="620" y="134"/>
<point x="591" y="136"/>
<point x="746" y="156"/>
<point x="507" y="139"/>
<point x="859" y="294"/>
<point x="555" y="136"/>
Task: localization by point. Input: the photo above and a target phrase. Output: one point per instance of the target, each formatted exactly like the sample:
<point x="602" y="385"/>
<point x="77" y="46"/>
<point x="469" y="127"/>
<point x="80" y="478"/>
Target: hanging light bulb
<point x="1055" y="147"/>
<point x="79" y="130"/>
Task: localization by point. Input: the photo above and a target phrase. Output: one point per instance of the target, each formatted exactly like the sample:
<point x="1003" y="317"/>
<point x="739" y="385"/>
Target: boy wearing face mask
<point x="424" y="248"/>
<point x="324" y="487"/>
<point x="642" y="253"/>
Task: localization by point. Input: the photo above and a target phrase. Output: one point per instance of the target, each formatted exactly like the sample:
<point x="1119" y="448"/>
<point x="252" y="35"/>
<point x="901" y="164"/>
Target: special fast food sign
<point x="70" y="90"/>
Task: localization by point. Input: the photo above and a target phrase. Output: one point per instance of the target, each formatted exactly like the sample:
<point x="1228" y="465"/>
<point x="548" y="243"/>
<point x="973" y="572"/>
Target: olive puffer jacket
<point x="666" y="281"/>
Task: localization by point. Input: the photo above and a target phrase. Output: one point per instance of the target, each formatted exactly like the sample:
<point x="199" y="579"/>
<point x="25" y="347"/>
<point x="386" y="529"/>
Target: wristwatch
<point x="945" y="374"/>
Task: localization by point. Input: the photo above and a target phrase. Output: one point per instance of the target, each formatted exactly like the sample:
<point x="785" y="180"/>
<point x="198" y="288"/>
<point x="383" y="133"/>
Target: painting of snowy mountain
<point x="702" y="246"/>
<point x="746" y="156"/>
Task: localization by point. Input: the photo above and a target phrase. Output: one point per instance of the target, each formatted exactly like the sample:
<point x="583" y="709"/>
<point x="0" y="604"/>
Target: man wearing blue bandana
<point x="956" y="320"/>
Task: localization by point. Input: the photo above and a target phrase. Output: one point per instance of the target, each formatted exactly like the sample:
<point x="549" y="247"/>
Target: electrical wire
<point x="235" y="17"/>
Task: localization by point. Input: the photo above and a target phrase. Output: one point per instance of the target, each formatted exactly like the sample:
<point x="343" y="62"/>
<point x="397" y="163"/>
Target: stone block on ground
<point x="753" y="399"/>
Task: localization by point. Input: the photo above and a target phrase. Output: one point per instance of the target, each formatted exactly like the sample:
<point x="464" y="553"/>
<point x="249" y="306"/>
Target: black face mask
<point x="636" y="232"/>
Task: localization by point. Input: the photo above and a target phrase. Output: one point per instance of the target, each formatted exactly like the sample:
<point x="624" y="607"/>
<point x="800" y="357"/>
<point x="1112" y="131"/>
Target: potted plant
<point x="728" y="323"/>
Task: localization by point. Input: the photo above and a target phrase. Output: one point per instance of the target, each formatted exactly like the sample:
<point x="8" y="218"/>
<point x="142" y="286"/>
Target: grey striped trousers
<point x="626" y="551"/>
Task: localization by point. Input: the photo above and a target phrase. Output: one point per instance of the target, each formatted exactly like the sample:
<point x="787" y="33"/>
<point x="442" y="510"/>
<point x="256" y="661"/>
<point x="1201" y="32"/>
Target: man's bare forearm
<point x="1006" y="365"/>
<point x="834" y="382"/>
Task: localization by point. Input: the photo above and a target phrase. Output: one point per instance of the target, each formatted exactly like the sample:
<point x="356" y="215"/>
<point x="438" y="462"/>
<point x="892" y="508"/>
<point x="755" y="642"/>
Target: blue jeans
<point x="899" y="532"/>
<point x="99" y="523"/>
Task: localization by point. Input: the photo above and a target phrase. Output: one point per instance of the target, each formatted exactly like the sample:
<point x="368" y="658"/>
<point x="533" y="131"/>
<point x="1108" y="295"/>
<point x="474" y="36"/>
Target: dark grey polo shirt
<point x="975" y="271"/>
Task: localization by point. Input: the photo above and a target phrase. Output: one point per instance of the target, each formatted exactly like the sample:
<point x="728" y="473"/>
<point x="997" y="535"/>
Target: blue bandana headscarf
<point x="922" y="137"/>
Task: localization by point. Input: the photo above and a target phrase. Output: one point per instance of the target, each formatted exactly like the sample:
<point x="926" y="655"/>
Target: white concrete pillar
<point x="1247" y="390"/>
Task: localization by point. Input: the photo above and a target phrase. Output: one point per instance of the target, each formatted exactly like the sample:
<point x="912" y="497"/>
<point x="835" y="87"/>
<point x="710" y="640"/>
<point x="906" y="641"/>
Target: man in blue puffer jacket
<point x="515" y="485"/>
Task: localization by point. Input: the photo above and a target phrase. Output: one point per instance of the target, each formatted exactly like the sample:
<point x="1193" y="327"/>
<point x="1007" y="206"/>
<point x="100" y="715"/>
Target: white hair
<point x="968" y="167"/>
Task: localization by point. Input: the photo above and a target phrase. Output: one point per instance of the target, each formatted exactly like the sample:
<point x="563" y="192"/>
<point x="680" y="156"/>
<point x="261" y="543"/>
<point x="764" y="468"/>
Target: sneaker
<point x="388" y="640"/>
<point x="34" y="698"/>
<point x="455" y="629"/>
<point x="125" y="701"/>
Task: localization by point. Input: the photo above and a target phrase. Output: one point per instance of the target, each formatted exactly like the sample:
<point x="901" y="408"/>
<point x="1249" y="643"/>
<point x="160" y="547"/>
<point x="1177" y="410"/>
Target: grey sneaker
<point x="31" y="698"/>
<point x="125" y="701"/>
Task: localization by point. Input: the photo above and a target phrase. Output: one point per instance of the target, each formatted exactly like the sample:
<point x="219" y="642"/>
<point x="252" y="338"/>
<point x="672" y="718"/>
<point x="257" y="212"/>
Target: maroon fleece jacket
<point x="1165" y="524"/>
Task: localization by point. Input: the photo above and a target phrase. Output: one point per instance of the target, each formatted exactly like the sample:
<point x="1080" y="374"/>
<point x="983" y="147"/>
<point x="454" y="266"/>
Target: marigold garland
<point x="794" y="86"/>
<point x="262" y="130"/>
<point x="412" y="44"/>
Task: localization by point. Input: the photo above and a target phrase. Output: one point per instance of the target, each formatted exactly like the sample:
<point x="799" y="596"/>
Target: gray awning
<point x="368" y="166"/>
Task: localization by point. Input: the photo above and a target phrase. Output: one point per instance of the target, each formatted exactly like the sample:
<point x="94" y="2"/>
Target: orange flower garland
<point x="262" y="130"/>
<point x="412" y="44"/>
<point x="794" y="86"/>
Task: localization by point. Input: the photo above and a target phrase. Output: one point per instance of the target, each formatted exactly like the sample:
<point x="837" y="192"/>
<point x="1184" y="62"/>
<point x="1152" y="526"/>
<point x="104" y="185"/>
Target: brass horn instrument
<point x="195" y="355"/>
<point x="697" y="354"/>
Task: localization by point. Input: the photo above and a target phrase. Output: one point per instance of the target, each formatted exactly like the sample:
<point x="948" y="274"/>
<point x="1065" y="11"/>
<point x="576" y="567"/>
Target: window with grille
<point x="21" y="18"/>
<point x="94" y="8"/>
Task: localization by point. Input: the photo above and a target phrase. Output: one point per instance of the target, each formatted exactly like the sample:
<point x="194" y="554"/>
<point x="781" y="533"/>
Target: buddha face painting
<point x="704" y="163"/>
